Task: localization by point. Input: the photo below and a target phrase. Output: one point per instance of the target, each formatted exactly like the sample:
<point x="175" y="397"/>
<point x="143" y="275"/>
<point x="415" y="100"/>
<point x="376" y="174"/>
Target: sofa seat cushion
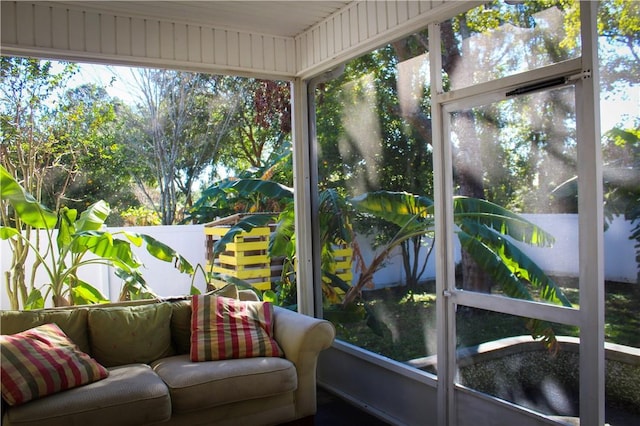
<point x="132" y="395"/>
<point x="198" y="385"/>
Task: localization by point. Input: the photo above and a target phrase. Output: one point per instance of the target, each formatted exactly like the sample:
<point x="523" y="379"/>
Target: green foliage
<point x="28" y="151"/>
<point x="482" y="231"/>
<point x="254" y="190"/>
<point x="246" y="224"/>
<point x="87" y="118"/>
<point x="27" y="208"/>
<point x="619" y="24"/>
<point x="73" y="241"/>
<point x="256" y="199"/>
<point x="261" y="122"/>
<point x="483" y="228"/>
<point x="140" y="216"/>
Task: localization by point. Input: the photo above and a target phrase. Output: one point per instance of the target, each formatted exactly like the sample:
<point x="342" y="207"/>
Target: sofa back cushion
<point x="130" y="334"/>
<point x="73" y="322"/>
<point x="181" y="326"/>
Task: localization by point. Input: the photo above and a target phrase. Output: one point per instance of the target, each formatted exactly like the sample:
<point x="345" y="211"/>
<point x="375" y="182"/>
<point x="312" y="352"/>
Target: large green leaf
<point x="162" y="251"/>
<point x="218" y="199"/>
<point x="406" y="210"/>
<point x="83" y="293"/>
<point x="267" y="188"/>
<point x="282" y="241"/>
<point x="490" y="262"/>
<point x="93" y="218"/>
<point x="103" y="245"/>
<point x="516" y="261"/>
<point x="28" y="208"/>
<point x="500" y="219"/>
<point x="134" y="287"/>
<point x="334" y="218"/>
<point x="7" y="232"/>
<point x="66" y="228"/>
<point x="243" y="188"/>
<point x="35" y="300"/>
<point x="210" y="196"/>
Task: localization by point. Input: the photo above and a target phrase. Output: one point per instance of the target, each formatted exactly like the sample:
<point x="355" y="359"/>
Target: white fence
<point x="561" y="259"/>
<point x="189" y="241"/>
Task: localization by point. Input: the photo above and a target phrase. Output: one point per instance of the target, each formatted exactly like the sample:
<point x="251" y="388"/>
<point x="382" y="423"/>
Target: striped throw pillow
<point x="41" y="361"/>
<point x="226" y="328"/>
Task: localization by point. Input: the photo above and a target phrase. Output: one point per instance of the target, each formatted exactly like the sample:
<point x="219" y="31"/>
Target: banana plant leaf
<point x="134" y="286"/>
<point x="502" y="220"/>
<point x="84" y="293"/>
<point x="406" y="210"/>
<point x="161" y="251"/>
<point x="282" y="241"/>
<point x="217" y="199"/>
<point x="482" y="230"/>
<point x="66" y="229"/>
<point x="35" y="300"/>
<point x="514" y="259"/>
<point x="246" y="224"/>
<point x="93" y="218"/>
<point x="27" y="207"/>
<point x="104" y="246"/>
<point x="415" y="212"/>
<point x="334" y="219"/>
<point x="250" y="187"/>
<point x="493" y="264"/>
<point x="7" y="232"/>
<point x="243" y="188"/>
<point x="209" y="196"/>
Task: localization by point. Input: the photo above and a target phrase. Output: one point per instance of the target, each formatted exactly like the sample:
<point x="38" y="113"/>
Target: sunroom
<point x="505" y="101"/>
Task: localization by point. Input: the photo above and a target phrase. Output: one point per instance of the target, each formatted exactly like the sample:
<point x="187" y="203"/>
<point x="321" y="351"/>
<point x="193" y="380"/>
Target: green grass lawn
<point x="408" y="325"/>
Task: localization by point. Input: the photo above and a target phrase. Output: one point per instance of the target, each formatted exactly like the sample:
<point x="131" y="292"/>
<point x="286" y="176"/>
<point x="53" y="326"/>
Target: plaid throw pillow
<point x="41" y="361"/>
<point x="225" y="328"/>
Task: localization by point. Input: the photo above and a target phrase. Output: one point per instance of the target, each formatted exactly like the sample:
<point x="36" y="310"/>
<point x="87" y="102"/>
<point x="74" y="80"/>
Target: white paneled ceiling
<point x="266" y="39"/>
<point x="278" y="18"/>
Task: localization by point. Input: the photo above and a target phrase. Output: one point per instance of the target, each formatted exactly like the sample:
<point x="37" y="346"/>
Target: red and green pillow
<point x="42" y="361"/>
<point x="227" y="328"/>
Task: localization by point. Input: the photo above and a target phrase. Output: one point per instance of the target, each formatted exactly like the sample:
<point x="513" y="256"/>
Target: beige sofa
<point x="159" y="384"/>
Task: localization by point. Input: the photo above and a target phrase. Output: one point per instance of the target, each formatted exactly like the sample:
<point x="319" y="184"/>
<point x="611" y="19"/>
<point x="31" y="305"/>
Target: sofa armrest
<point x="302" y="338"/>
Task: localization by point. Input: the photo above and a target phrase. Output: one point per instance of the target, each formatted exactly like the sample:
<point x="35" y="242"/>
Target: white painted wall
<point x="189" y="241"/>
<point x="163" y="277"/>
<point x="561" y="259"/>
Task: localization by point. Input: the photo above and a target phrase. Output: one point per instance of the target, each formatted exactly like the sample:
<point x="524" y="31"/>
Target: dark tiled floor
<point x="334" y="411"/>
